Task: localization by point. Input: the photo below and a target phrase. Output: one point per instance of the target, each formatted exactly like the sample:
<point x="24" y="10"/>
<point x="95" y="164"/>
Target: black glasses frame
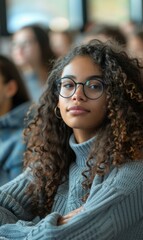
<point x="80" y="83"/>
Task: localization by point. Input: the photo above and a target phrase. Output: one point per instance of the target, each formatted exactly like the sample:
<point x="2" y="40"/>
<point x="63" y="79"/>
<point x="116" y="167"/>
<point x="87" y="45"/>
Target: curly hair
<point x="119" y="140"/>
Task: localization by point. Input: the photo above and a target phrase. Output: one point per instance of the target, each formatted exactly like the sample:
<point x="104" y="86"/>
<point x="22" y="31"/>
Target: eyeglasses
<point x="93" y="88"/>
<point x="23" y="44"/>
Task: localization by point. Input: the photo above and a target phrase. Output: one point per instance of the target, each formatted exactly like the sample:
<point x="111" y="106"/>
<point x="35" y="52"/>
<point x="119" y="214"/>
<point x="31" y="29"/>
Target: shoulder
<point x="123" y="179"/>
<point x="126" y="177"/>
<point x="121" y="183"/>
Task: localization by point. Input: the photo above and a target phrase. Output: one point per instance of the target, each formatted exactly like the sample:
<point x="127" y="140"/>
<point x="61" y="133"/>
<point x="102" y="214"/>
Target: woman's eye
<point x="93" y="86"/>
<point x="67" y="85"/>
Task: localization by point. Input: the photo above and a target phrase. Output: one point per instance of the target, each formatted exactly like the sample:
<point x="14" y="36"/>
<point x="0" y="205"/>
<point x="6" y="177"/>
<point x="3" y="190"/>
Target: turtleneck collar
<point x="81" y="150"/>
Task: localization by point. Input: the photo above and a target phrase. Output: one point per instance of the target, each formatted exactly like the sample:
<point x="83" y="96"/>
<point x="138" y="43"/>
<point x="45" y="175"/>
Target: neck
<point x="81" y="150"/>
<point x="82" y="135"/>
<point x="41" y="72"/>
<point x="5" y="107"/>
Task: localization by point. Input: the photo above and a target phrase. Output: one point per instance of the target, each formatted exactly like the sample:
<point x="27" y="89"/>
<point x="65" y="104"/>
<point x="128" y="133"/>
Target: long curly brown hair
<point x="119" y="140"/>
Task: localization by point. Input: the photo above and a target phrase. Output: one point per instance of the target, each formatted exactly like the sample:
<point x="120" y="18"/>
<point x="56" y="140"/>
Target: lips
<point x="77" y="110"/>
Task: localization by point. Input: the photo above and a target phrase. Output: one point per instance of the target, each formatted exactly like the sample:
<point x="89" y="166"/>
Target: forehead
<point x="24" y="33"/>
<point x="82" y="66"/>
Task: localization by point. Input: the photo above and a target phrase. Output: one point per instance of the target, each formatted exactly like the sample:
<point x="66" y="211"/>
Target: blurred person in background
<point x="128" y="27"/>
<point x="32" y="53"/>
<point x="104" y="33"/>
<point x="14" y="104"/>
<point x="60" y="42"/>
<point x="135" y="43"/>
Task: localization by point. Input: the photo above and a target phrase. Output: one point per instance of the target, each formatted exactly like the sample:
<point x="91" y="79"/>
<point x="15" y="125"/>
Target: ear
<point x="11" y="88"/>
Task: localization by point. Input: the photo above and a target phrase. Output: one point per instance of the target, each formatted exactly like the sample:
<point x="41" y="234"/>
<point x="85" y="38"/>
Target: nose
<point x="79" y="93"/>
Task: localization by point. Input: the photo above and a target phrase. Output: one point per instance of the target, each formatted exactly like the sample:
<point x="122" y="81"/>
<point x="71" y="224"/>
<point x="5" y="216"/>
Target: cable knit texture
<point x="113" y="210"/>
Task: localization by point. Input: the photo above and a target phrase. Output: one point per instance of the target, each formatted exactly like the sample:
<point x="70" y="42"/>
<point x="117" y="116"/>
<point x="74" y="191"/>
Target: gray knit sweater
<point x="113" y="210"/>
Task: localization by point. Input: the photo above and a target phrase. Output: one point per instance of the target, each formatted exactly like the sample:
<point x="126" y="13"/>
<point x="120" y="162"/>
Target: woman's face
<point x="83" y="115"/>
<point x="7" y="91"/>
<point x="25" y="48"/>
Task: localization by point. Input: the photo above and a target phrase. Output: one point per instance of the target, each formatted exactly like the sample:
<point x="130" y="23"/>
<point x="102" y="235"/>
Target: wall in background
<point x="62" y="14"/>
<point x="109" y="11"/>
<point x="68" y="14"/>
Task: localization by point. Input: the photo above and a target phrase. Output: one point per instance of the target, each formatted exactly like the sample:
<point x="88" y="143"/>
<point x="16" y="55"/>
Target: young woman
<point x="84" y="161"/>
<point x="14" y="104"/>
<point x="31" y="52"/>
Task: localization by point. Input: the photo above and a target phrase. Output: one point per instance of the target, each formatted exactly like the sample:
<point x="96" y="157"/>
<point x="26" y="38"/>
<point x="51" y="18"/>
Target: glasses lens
<point x="66" y="87"/>
<point x="93" y="89"/>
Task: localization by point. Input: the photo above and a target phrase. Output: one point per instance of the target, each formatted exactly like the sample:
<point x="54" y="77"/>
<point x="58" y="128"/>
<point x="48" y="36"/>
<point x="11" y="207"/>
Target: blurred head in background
<point x="104" y="33"/>
<point x="60" y="42"/>
<point x="135" y="43"/>
<point x="12" y="89"/>
<point x="31" y="50"/>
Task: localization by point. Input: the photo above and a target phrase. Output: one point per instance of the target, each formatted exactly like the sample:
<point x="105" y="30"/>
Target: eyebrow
<point x="89" y="77"/>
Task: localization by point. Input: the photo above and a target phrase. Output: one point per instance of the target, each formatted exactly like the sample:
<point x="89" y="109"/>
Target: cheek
<point x="103" y="112"/>
<point x="100" y="111"/>
<point x="61" y="105"/>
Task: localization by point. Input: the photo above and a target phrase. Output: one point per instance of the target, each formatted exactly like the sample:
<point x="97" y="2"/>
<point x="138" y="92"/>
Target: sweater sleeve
<point x="14" y="202"/>
<point x="112" y="207"/>
<point x="92" y="223"/>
